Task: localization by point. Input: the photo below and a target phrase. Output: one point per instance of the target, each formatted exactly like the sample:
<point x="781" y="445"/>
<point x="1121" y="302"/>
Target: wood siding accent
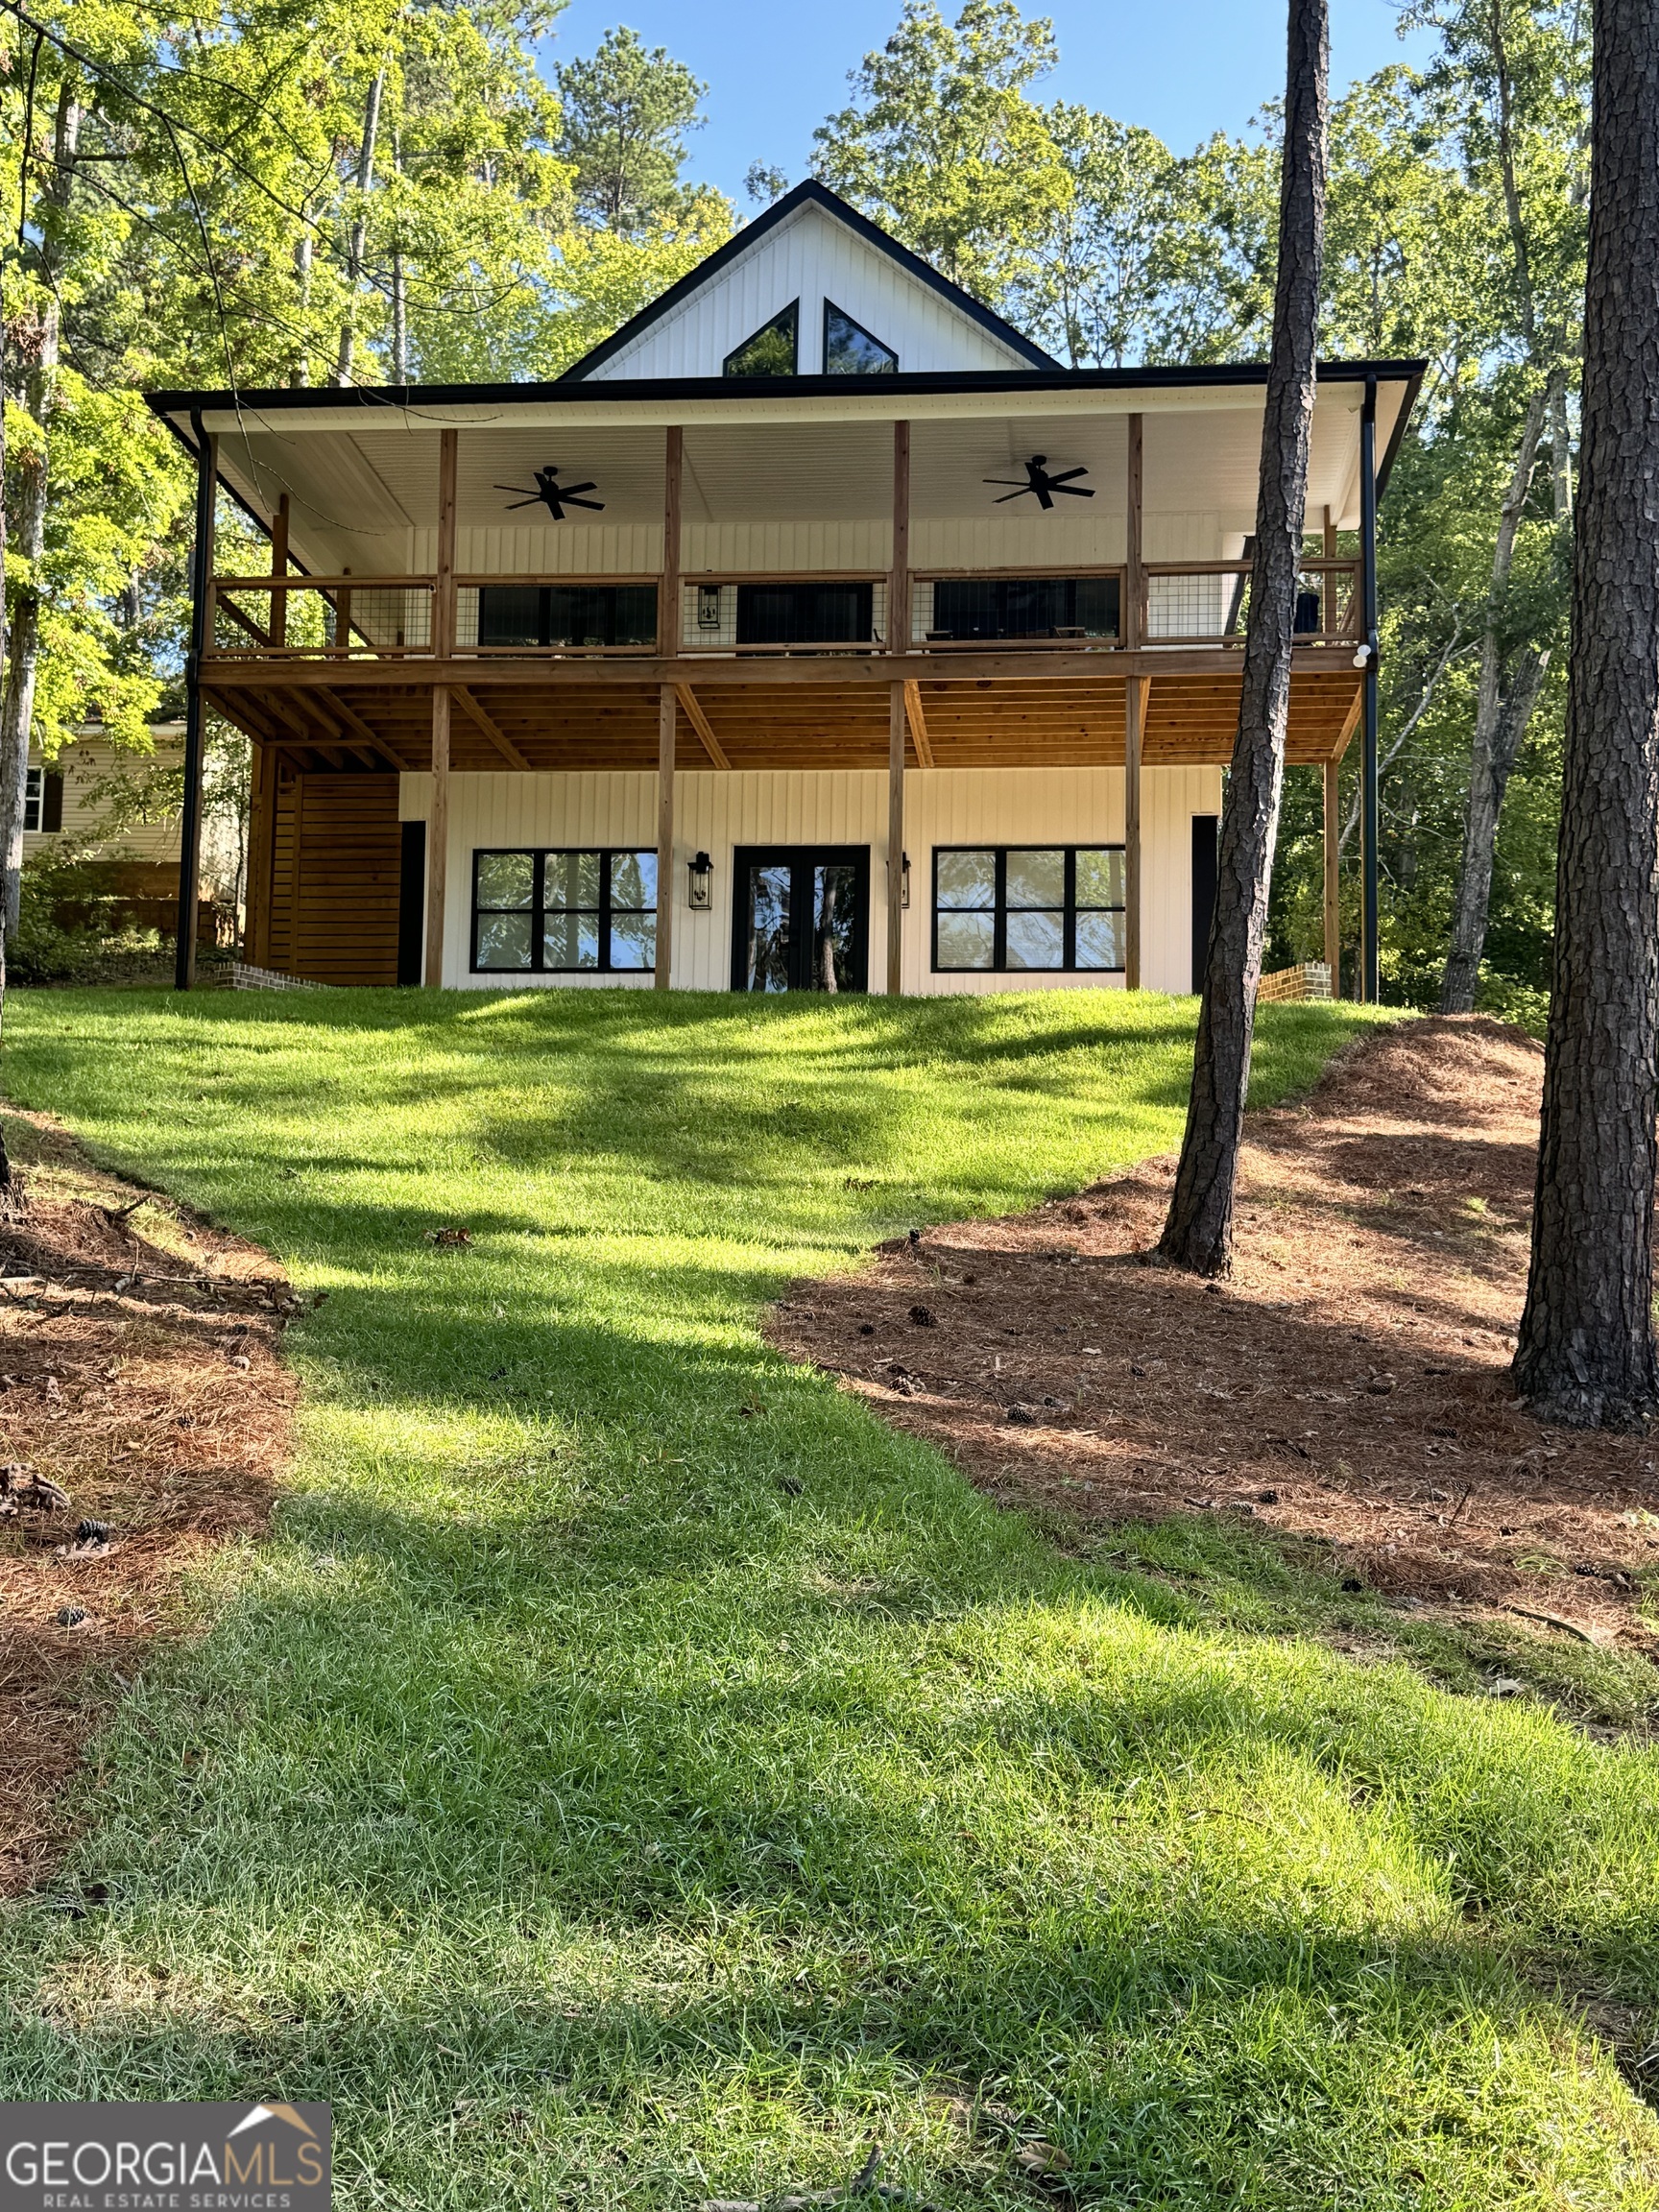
<point x="335" y="854"/>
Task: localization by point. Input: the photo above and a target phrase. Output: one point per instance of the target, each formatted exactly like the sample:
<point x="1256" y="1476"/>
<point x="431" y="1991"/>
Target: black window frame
<point x="787" y="317"/>
<point x="999" y="911"/>
<point x="537" y="910"/>
<point x="881" y="344"/>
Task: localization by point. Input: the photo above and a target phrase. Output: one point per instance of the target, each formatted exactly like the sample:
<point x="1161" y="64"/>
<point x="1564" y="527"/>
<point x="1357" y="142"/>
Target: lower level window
<point x="1028" y="906"/>
<point x="558" y="912"/>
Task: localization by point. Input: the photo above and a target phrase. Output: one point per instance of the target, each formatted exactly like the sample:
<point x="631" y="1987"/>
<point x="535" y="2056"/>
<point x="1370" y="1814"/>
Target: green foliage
<point x="626" y="115"/>
<point x="630" y="1774"/>
<point x="944" y="147"/>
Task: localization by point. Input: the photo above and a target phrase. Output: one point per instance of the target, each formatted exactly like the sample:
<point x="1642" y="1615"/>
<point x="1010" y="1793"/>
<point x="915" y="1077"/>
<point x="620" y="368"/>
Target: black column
<point x="1370" y="977"/>
<point x="190" y="822"/>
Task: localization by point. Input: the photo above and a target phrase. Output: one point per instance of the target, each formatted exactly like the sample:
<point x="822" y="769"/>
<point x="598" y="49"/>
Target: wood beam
<point x="444" y="588"/>
<point x="1334" y="875"/>
<point x="669" y="618"/>
<point x="896" y="841"/>
<point x="1135" y="693"/>
<point x="483" y="720"/>
<point x="438" y="839"/>
<point x="1054" y="664"/>
<point x="1131" y="619"/>
<point x="700" y="722"/>
<point x="245" y="622"/>
<point x="917" y="721"/>
<point x="666" y="734"/>
<point x="898" y="573"/>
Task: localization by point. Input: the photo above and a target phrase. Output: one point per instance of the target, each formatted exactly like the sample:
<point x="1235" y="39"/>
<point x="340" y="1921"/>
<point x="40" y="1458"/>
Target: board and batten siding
<point x="810" y="257"/>
<point x="717" y="812"/>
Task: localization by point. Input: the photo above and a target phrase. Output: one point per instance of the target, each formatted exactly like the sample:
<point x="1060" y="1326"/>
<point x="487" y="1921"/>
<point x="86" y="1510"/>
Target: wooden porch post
<point x="1333" y="878"/>
<point x="895" y="840"/>
<point x="437" y="837"/>
<point x="442" y="648"/>
<point x="666" y="734"/>
<point x="899" y="575"/>
<point x="669" y="618"/>
<point x="1135" y="692"/>
<point x="279" y="567"/>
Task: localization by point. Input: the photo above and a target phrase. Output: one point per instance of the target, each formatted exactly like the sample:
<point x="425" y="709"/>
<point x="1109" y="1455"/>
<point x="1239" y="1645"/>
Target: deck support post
<point x="1132" y="615"/>
<point x="437" y="837"/>
<point x="669" y="621"/>
<point x="190" y="825"/>
<point x="899" y="574"/>
<point x="1332" y="876"/>
<point x="667" y="731"/>
<point x="1370" y="984"/>
<point x="442" y="648"/>
<point x="895" y="840"/>
<point x="1135" y="692"/>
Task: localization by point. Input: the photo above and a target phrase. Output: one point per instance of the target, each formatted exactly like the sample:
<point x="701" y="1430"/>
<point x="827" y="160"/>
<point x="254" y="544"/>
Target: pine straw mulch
<point x="1349" y="1386"/>
<point x="138" y="1373"/>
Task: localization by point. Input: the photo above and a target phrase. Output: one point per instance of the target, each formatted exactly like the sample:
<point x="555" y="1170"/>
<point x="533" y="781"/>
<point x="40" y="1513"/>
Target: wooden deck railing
<point x="1073" y="610"/>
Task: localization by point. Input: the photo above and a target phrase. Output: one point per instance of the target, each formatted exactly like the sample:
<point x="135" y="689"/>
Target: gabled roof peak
<point x="810" y="194"/>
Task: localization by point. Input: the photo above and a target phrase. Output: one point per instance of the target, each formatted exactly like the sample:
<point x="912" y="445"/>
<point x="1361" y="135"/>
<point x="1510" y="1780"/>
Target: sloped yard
<point x="632" y="1774"/>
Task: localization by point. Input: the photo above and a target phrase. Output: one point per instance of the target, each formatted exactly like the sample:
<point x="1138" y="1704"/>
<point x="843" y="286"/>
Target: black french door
<point x="800" y="918"/>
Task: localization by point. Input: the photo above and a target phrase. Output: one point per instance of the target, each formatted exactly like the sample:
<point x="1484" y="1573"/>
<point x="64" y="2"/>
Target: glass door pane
<point x="768" y="893"/>
<point x="834" y="922"/>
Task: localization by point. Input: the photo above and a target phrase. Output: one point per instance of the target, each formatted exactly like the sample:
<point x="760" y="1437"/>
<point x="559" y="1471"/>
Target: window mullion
<point x="1068" y="919"/>
<point x="999" y="923"/>
<point x="605" y="913"/>
<point x="538" y="912"/>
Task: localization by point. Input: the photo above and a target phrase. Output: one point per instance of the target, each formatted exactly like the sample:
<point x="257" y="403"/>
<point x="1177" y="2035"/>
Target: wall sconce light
<point x="903" y="878"/>
<point x="700" y="883"/>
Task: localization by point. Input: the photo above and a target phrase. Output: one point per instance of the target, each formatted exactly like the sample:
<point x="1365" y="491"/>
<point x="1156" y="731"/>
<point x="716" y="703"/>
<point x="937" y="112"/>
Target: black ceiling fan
<point x="550" y="493"/>
<point x="1039" y="482"/>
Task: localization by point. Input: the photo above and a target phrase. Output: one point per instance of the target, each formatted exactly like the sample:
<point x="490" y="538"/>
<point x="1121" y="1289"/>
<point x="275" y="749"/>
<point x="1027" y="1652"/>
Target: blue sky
<point x="1181" y="67"/>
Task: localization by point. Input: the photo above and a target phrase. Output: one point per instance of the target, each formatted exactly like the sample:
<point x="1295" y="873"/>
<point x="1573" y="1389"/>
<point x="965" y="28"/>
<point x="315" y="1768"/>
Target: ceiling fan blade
<point x="1065" y="475"/>
<point x="569" y="491"/>
<point x="1071" y="490"/>
<point x="1007" y="496"/>
<point x="570" y="501"/>
<point x="1043" y="500"/>
<point x="984" y="480"/>
<point x="514" y="505"/>
<point x="517" y="488"/>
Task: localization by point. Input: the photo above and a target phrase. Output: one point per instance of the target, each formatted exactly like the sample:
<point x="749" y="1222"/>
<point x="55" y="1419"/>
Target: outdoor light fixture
<point x="903" y="878"/>
<point x="700" y="883"/>
<point x="1361" y="654"/>
<point x="707" y="606"/>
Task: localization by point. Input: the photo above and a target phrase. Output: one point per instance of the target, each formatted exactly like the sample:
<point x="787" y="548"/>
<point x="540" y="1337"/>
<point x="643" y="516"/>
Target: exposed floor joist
<point x="693" y="709"/>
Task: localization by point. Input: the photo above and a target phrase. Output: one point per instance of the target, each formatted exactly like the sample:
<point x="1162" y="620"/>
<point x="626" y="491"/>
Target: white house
<point x="817" y="631"/>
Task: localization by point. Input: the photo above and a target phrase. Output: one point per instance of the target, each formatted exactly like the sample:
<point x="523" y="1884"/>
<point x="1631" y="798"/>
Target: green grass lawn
<point x="596" y="1820"/>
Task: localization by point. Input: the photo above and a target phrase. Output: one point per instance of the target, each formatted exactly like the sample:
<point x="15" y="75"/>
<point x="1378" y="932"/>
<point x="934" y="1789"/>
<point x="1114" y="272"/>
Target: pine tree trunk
<point x="1586" y="1353"/>
<point x="360" y="226"/>
<point x="1198" y="1233"/>
<point x="1503" y="704"/>
<point x="37" y="348"/>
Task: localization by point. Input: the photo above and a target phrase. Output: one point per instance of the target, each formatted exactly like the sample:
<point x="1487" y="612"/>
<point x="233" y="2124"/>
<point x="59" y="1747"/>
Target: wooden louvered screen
<point x="336" y="845"/>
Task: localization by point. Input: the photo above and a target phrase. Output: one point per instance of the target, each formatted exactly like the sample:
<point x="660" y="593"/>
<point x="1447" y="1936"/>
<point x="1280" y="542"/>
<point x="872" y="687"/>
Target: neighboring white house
<point x="816" y="630"/>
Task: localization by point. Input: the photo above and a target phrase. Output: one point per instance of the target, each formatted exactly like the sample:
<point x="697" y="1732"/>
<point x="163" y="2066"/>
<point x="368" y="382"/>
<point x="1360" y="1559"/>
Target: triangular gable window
<point x="773" y="351"/>
<point x="850" y="350"/>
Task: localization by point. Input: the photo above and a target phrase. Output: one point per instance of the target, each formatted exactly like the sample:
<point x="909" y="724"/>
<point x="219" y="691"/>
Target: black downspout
<point x="1370" y="970"/>
<point x="190" y="824"/>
